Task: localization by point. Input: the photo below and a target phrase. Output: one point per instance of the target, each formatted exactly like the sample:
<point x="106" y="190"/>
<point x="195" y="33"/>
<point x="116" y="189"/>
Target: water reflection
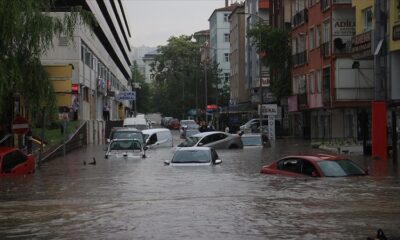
<point x="143" y="199"/>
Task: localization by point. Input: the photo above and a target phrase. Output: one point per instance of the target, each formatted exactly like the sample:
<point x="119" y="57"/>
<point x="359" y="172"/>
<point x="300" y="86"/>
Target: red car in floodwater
<point x="15" y="162"/>
<point x="320" y="165"/>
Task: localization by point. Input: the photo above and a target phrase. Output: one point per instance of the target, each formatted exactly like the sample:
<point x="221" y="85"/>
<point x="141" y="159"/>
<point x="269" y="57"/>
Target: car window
<point x="307" y="168"/>
<point x="340" y="168"/>
<point x="208" y="139"/>
<point x="153" y="139"/>
<point x="127" y="135"/>
<point x="291" y="165"/>
<point x="190" y="142"/>
<point x="192" y="156"/>
<point x="219" y="136"/>
<point x="11" y="160"/>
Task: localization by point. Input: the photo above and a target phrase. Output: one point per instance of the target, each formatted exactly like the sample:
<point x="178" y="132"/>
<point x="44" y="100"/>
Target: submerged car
<point x="125" y="148"/>
<point x="255" y="140"/>
<point x="194" y="156"/>
<point x="320" y="165"/>
<point x="215" y="139"/>
<point x="126" y="133"/>
<point x="15" y="162"/>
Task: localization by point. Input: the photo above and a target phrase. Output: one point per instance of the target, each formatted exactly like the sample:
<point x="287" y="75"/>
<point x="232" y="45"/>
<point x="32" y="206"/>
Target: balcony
<point x="325" y="50"/>
<point x="300" y="18"/>
<point x="299" y="58"/>
<point x="325" y="5"/>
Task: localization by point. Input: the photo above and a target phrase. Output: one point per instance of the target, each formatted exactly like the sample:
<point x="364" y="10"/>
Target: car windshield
<point x="190" y="142"/>
<point x="340" y="168"/>
<point x="251" y="140"/>
<point x="125" y="145"/>
<point x="138" y="126"/>
<point x="128" y="135"/>
<point x="192" y="156"/>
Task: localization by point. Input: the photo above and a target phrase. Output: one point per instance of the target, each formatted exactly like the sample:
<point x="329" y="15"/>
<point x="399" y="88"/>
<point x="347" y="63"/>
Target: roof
<point x="193" y="148"/>
<point x="224" y="9"/>
<point x="316" y="157"/>
<point x="155" y="130"/>
<point x="206" y="133"/>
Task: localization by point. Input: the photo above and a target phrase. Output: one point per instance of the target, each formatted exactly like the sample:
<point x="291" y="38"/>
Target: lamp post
<point x="259" y="68"/>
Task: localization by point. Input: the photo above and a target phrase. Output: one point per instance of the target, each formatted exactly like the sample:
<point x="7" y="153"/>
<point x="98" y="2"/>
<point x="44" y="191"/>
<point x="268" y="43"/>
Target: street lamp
<point x="259" y="68"/>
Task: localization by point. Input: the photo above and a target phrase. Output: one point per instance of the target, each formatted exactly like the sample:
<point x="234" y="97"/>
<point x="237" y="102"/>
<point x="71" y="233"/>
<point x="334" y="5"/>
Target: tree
<point x="275" y="44"/>
<point x="179" y="83"/>
<point x="142" y="89"/>
<point x="27" y="32"/>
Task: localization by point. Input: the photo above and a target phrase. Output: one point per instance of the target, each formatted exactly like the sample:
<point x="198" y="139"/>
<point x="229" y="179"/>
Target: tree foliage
<point x="275" y="43"/>
<point x="179" y="78"/>
<point x="26" y="33"/>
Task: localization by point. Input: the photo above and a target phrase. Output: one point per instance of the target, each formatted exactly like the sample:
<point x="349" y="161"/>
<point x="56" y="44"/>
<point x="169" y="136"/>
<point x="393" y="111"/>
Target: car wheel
<point x="233" y="146"/>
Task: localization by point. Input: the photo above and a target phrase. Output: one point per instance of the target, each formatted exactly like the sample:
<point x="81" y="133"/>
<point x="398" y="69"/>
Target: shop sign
<point x="361" y="45"/>
<point x="344" y="27"/>
<point x="396" y="32"/>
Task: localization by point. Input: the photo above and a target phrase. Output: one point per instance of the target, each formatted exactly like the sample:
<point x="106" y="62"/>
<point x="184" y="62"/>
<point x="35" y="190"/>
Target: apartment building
<point x="330" y="90"/>
<point x="99" y="61"/>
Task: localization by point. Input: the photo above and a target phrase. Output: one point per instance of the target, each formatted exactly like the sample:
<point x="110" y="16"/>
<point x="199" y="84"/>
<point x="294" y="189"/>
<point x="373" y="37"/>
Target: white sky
<point x="153" y="22"/>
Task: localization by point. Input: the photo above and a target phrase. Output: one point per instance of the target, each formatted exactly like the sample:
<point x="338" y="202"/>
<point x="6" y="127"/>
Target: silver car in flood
<point x="214" y="139"/>
<point x="194" y="156"/>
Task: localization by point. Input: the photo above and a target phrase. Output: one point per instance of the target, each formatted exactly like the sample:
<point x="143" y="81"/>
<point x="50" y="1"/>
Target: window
<point x="311" y="80"/>
<point x="398" y="8"/>
<point x="226" y="77"/>
<point x="311" y="39"/>
<point x="318" y="36"/>
<point x="291" y="165"/>
<point x="83" y="53"/>
<point x="226" y="37"/>
<point x="312" y="2"/>
<point x="318" y="81"/>
<point x="226" y="17"/>
<point x="226" y="57"/>
<point x="367" y="15"/>
<point x="326" y="33"/>
<point x="85" y="94"/>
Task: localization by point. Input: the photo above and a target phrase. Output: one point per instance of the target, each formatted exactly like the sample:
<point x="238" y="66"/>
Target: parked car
<point x="174" y="124"/>
<point x="320" y="165"/>
<point x="194" y="156"/>
<point x="253" y="126"/>
<point x="186" y="125"/>
<point x="255" y="140"/>
<point x="15" y="162"/>
<point x="158" y="137"/>
<point x="126" y="133"/>
<point x="215" y="139"/>
<point x="125" y="148"/>
<point x="139" y="123"/>
<point x="190" y="132"/>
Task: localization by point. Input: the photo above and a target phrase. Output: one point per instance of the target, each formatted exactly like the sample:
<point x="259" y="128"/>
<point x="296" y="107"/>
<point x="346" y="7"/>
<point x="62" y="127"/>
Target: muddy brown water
<point x="143" y="199"/>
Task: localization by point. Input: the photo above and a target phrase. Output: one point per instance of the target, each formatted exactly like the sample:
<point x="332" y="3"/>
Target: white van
<point x="158" y="137"/>
<point x="136" y="122"/>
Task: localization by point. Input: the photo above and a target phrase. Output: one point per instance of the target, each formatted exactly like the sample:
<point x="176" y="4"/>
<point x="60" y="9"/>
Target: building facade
<point x="100" y="60"/>
<point x="330" y="89"/>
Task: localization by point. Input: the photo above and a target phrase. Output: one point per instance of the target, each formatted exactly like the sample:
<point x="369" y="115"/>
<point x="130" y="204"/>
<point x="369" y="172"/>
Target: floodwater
<point x="144" y="199"/>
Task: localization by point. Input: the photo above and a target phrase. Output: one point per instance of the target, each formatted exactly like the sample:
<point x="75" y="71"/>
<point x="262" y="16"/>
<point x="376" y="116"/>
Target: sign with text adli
<point x="126" y="95"/>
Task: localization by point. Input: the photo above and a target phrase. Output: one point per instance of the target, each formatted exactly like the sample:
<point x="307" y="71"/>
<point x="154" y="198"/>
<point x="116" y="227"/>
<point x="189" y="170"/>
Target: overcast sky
<point x="152" y="22"/>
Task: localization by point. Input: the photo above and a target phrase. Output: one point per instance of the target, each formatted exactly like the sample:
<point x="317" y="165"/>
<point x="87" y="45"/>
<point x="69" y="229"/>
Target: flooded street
<point x="144" y="199"/>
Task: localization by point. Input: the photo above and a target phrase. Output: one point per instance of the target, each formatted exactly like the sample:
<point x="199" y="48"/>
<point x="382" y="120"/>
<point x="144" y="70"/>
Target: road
<point x="143" y="199"/>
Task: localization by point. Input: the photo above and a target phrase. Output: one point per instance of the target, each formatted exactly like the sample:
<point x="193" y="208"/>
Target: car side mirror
<point x="218" y="161"/>
<point x="108" y="140"/>
<point x="200" y="144"/>
<point x="166" y="162"/>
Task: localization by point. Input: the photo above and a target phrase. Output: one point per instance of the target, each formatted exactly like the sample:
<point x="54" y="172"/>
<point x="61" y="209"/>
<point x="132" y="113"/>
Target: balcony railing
<point x="325" y="50"/>
<point x="300" y="17"/>
<point x="341" y="1"/>
<point x="299" y="58"/>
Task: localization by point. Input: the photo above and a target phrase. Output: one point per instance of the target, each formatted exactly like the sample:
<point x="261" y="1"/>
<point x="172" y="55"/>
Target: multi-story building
<point x="148" y="60"/>
<point x="219" y="45"/>
<point x="202" y="36"/>
<point x="239" y="91"/>
<point x="257" y="75"/>
<point x="99" y="59"/>
<point x="330" y="89"/>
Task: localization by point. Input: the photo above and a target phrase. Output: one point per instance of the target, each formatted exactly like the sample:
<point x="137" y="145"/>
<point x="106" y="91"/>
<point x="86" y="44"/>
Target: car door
<point x="290" y="166"/>
<point x="219" y="141"/>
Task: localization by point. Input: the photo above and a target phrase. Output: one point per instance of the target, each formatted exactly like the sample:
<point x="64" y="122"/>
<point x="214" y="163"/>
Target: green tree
<point x="275" y="44"/>
<point x="142" y="89"/>
<point x="179" y="77"/>
<point x="27" y="32"/>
